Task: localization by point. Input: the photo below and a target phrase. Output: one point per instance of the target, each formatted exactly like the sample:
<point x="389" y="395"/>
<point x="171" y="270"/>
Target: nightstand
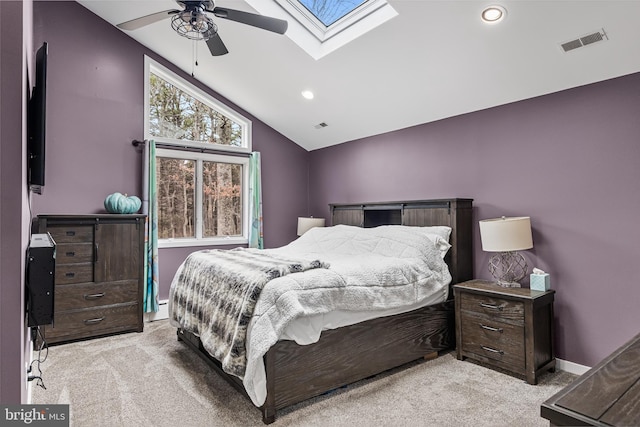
<point x="506" y="328"/>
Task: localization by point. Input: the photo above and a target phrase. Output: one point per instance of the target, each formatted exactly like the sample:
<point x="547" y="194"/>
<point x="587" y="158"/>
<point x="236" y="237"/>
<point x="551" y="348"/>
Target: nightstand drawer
<point x="494" y="340"/>
<point x="492" y="307"/>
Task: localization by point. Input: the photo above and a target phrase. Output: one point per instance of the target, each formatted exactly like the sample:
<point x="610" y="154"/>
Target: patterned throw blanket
<point x="214" y="293"/>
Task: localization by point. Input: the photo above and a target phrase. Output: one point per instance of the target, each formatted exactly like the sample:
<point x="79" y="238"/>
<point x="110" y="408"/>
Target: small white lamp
<point x="305" y="224"/>
<point x="507" y="236"/>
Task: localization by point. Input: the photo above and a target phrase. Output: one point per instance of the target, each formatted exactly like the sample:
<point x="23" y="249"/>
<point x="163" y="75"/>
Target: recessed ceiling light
<point x="307" y="94"/>
<point x="493" y="14"/>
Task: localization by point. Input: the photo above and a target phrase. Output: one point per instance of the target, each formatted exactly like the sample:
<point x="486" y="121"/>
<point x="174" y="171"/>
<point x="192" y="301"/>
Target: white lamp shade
<point x="305" y="224"/>
<point x="506" y="234"/>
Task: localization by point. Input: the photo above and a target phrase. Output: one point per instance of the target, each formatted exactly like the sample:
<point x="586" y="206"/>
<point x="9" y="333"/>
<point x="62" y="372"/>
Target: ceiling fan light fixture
<point x="194" y="25"/>
<point x="192" y="22"/>
<point x="493" y="14"/>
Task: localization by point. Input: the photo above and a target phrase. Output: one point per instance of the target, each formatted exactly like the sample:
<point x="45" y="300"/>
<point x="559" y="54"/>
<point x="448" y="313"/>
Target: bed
<point x="346" y="354"/>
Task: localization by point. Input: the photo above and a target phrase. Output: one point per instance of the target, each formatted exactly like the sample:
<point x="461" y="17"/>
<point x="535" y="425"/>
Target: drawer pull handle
<point x="491" y="306"/>
<point x="492" y="329"/>
<point x="94" y="296"/>
<point x="71" y="233"/>
<point x="493" y="350"/>
<point x="70" y="253"/>
<point x="93" y="321"/>
<point x="70" y="274"/>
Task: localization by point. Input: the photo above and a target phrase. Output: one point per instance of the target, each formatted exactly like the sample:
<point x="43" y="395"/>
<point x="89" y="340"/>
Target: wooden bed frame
<point x="345" y="355"/>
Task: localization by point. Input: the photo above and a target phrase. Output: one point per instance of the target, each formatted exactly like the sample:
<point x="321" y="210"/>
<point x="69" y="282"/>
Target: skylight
<point x="322" y="26"/>
<point x="330" y="11"/>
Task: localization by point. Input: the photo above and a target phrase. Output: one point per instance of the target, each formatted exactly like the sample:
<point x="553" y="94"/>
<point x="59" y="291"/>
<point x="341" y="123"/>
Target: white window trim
<point x="313" y="36"/>
<point x="151" y="66"/>
<point x="321" y="31"/>
<point x="210" y="241"/>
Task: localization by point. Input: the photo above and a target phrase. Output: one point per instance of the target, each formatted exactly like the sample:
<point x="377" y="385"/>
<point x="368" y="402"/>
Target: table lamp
<point x="507" y="236"/>
<point x="305" y="224"/>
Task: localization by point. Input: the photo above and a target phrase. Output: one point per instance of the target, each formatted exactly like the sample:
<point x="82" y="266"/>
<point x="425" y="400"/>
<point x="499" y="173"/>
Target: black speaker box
<point x="41" y="267"/>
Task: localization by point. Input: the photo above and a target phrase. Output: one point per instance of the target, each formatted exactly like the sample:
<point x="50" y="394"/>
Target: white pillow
<point x="439" y="235"/>
<point x="441" y="244"/>
<point x="439" y="230"/>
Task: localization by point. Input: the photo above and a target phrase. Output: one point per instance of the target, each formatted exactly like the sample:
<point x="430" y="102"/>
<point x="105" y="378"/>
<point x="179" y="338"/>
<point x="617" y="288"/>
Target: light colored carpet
<point x="152" y="379"/>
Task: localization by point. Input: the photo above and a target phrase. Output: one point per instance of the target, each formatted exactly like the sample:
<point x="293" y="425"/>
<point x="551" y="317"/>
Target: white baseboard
<point x="572" y="368"/>
<point x="161" y="314"/>
<point x="26" y="368"/>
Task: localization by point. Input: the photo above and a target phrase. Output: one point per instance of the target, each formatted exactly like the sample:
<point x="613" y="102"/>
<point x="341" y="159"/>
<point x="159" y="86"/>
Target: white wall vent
<point x="585" y="40"/>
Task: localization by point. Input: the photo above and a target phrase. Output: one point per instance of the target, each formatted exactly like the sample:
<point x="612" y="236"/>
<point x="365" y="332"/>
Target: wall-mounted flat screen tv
<point x="37" y="123"/>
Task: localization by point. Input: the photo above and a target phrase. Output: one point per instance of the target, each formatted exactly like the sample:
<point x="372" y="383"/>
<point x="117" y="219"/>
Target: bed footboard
<point x="352" y="353"/>
<point x="345" y="355"/>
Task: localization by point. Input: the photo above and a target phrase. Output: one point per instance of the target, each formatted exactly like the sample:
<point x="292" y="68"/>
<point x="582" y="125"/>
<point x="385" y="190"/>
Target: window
<point x="202" y="168"/>
<point x="322" y="26"/>
<point x="328" y="12"/>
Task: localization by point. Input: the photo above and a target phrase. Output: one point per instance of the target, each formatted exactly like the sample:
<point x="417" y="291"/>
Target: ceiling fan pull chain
<point x="194" y="58"/>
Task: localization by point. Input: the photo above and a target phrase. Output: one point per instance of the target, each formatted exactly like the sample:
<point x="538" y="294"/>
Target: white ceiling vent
<point x="321" y="125"/>
<point x="585" y="40"/>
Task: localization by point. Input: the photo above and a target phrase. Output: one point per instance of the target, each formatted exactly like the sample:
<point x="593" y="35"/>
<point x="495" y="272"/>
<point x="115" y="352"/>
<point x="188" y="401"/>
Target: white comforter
<point x="370" y="269"/>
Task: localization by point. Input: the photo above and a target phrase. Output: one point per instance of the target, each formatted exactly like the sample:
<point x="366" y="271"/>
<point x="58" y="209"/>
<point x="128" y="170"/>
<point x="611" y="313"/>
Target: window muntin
<point x="202" y="195"/>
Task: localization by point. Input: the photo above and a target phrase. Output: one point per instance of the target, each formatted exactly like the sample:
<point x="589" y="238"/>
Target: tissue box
<point x="540" y="282"/>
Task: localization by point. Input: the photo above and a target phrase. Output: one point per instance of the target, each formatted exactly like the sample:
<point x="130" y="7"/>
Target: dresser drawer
<point x="86" y="295"/>
<point x="494" y="340"/>
<point x="71" y="233"/>
<point x="491" y="307"/>
<point x="74" y="273"/>
<point x="95" y="321"/>
<point x="74" y="253"/>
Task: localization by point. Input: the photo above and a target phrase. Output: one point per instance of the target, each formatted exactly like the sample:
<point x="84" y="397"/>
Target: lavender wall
<point x="569" y="160"/>
<point x="95" y="110"/>
<point x="15" y="30"/>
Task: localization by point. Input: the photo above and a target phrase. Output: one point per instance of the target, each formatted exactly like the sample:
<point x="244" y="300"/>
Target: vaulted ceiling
<point x="434" y="60"/>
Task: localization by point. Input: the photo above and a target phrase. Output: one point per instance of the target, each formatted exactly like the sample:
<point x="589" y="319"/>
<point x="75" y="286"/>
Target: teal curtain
<point x="256" y="239"/>
<point x="151" y="231"/>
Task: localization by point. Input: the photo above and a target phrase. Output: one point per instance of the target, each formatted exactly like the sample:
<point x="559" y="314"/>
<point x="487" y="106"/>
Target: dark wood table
<point x="606" y="395"/>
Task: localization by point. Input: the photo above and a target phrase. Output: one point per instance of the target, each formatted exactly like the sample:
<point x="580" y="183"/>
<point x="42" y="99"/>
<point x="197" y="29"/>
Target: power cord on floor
<point x="37" y="361"/>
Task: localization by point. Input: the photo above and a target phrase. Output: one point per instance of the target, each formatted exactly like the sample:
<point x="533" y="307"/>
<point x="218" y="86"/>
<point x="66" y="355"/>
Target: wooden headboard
<point x="454" y="213"/>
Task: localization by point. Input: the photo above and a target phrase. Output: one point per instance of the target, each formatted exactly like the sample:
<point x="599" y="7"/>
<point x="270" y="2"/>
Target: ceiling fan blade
<point x="265" y="22"/>
<point x="134" y="24"/>
<point x="216" y="45"/>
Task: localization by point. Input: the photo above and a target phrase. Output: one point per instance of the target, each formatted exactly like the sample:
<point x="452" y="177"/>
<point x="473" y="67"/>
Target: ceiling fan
<point x="193" y="22"/>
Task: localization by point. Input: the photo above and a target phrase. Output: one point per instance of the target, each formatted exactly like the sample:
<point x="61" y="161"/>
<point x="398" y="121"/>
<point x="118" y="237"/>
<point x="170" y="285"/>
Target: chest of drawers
<point x="98" y="274"/>
<point x="506" y="328"/>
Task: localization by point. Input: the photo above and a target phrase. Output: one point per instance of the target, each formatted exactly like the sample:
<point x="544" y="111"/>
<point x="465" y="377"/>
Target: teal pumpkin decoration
<point x="122" y="204"/>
